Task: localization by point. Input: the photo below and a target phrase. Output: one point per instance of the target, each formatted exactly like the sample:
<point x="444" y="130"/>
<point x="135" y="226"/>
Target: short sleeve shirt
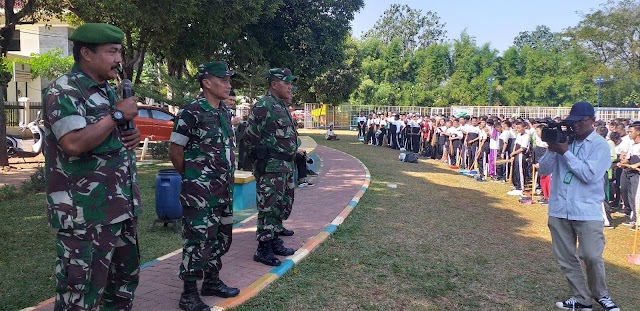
<point x="95" y="188"/>
<point x="205" y="133"/>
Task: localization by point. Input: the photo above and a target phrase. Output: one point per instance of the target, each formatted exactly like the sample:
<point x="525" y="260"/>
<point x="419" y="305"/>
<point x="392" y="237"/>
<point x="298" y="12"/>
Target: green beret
<point x="283" y="74"/>
<point x="219" y="69"/>
<point x="97" y="33"/>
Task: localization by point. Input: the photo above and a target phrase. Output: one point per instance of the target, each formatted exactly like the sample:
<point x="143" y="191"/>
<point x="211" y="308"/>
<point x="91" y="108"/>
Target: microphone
<point x="127" y="91"/>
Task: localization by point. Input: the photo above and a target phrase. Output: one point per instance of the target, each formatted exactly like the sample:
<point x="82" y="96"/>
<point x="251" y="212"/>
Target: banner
<point x="458" y="111"/>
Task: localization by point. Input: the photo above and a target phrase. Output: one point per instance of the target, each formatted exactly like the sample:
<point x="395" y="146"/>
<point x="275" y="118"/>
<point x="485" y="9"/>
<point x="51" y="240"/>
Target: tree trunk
<point x="4" y="158"/>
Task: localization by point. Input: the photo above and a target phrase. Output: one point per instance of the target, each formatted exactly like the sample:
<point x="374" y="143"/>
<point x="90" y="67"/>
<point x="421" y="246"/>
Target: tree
<point x="306" y="36"/>
<point x="48" y="65"/>
<point x="612" y="33"/>
<point x="410" y="26"/>
<point x="540" y="38"/>
<point x="17" y="12"/>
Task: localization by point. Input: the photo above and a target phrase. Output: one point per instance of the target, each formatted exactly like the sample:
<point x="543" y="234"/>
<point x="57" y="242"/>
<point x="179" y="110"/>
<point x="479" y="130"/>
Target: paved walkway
<point x="316" y="212"/>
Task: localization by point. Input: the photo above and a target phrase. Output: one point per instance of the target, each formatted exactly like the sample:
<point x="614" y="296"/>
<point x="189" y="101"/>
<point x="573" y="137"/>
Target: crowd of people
<point x="507" y="149"/>
<point x="582" y="176"/>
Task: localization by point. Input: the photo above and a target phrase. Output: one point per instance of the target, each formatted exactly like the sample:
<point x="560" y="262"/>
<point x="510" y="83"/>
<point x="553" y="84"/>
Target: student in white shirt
<point x="519" y="156"/>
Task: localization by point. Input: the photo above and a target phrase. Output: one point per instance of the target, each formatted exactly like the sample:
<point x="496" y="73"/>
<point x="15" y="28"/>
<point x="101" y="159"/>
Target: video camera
<point x="556" y="132"/>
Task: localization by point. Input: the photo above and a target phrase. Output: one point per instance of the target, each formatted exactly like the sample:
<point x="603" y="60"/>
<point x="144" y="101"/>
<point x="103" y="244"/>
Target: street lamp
<point x="491" y="79"/>
<point x="599" y="80"/>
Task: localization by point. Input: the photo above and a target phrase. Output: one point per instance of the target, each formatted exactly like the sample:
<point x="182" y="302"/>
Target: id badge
<point x="567" y="178"/>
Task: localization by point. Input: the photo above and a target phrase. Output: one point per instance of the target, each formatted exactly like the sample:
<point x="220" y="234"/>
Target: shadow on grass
<point x="439" y="241"/>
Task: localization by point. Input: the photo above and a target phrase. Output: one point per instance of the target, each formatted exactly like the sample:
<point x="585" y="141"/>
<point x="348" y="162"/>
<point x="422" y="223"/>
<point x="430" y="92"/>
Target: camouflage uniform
<point x="271" y="124"/>
<point x="92" y="199"/>
<point x="207" y="186"/>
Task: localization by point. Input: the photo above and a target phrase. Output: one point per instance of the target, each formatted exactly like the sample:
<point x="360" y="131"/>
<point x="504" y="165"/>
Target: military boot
<point x="286" y="232"/>
<point x="279" y="249"/>
<point x="213" y="286"/>
<point x="190" y="300"/>
<point x="264" y="254"/>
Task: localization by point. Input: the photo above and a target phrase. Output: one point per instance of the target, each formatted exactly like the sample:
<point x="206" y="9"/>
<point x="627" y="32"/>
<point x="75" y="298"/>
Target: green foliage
<point x="49" y="65"/>
<point x="35" y="183"/>
<point x="409" y="26"/>
<point x="8" y="192"/>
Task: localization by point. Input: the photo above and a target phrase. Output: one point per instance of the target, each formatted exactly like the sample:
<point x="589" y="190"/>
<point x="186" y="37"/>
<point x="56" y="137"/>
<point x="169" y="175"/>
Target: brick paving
<point x="341" y="178"/>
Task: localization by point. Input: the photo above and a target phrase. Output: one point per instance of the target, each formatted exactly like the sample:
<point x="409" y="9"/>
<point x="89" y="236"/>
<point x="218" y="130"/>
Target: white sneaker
<point x="515" y="192"/>
<point x="302" y="184"/>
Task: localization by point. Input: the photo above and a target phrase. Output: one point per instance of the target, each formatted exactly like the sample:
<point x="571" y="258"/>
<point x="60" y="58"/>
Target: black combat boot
<point x="286" y="232"/>
<point x="190" y="300"/>
<point x="279" y="249"/>
<point x="264" y="254"/>
<point x="213" y="286"/>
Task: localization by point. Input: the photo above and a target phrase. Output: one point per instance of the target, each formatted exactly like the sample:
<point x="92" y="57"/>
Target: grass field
<point x="439" y="241"/>
<point x="27" y="244"/>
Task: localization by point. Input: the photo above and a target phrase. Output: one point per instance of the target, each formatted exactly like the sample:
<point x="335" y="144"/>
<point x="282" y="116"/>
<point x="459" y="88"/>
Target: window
<point x="161" y="115"/>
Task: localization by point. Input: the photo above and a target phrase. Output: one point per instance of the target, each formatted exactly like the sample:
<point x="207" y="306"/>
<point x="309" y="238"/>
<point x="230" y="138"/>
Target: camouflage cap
<point x="283" y="74"/>
<point x="219" y="69"/>
<point x="97" y="33"/>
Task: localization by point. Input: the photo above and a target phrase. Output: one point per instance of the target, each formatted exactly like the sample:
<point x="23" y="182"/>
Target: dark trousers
<point x="482" y="158"/>
<point x="615" y="187"/>
<point x="415" y="142"/>
<point x="394" y="138"/>
<point x="361" y="129"/>
<point x="383" y="131"/>
<point x="472" y="151"/>
<point x="628" y="188"/>
<point x="371" y="136"/>
<point x="519" y="171"/>
<point x="301" y="166"/>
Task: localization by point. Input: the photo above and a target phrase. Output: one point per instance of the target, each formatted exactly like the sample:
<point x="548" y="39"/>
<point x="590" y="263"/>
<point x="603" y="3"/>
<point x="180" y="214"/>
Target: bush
<point x="8" y="192"/>
<point x="160" y="150"/>
<point x="36" y="182"/>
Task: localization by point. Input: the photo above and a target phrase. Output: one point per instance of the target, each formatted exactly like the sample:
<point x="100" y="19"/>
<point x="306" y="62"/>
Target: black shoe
<point x="190" y="300"/>
<point x="311" y="173"/>
<point x="279" y="249"/>
<point x="286" y="232"/>
<point x="264" y="254"/>
<point x="572" y="304"/>
<point x="213" y="286"/>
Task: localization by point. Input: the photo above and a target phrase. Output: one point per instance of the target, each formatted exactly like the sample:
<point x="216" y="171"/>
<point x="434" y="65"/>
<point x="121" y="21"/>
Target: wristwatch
<point x="118" y="116"/>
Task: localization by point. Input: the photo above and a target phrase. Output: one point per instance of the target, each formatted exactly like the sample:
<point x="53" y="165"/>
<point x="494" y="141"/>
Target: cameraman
<point x="578" y="168"/>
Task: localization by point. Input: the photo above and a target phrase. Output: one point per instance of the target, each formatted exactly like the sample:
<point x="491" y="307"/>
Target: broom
<point x="633" y="257"/>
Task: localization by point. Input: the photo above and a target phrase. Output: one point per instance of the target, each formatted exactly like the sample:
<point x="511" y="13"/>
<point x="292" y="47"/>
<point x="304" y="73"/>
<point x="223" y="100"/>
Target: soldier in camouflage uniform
<point x="272" y="142"/>
<point x="92" y="192"/>
<point x="202" y="151"/>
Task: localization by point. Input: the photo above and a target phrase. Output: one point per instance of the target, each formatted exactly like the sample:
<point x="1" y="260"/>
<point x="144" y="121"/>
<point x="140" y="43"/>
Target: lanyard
<point x="568" y="177"/>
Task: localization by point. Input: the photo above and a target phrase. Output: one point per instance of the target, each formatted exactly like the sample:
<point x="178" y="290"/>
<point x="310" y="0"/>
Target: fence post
<point x="25" y="116"/>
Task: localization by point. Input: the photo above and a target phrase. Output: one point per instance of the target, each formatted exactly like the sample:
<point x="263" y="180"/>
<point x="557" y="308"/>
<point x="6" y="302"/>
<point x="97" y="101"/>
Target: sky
<point x="496" y="22"/>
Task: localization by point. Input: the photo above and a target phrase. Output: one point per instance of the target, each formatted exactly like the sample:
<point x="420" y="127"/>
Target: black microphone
<point x="127" y="91"/>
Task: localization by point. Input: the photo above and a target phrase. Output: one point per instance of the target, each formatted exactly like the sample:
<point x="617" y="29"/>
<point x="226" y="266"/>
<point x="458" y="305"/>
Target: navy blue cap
<point x="580" y="110"/>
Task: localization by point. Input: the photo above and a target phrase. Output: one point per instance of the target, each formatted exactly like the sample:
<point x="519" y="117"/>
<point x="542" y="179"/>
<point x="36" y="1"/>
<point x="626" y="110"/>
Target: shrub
<point x="160" y="150"/>
<point x="8" y="192"/>
<point x="36" y="182"/>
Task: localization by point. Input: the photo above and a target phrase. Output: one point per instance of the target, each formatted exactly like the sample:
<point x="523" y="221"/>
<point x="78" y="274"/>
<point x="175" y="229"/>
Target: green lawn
<point x="27" y="252"/>
<point x="440" y="241"/>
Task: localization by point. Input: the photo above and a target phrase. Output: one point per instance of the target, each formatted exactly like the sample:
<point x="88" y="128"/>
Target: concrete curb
<point x="275" y="273"/>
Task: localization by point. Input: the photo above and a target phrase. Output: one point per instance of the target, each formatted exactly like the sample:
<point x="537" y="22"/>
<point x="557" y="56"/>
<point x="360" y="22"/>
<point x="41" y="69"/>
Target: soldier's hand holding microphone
<point x="129" y="108"/>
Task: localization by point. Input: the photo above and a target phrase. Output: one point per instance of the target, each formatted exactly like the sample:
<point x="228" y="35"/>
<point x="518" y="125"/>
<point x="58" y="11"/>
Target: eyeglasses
<point x="583" y="120"/>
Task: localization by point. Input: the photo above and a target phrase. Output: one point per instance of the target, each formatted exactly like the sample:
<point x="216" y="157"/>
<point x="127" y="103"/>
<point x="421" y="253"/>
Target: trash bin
<point x="168" y="186"/>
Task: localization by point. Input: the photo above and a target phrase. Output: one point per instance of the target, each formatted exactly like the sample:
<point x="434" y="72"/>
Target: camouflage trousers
<point x="274" y="195"/>
<point x="97" y="267"/>
<point x="207" y="237"/>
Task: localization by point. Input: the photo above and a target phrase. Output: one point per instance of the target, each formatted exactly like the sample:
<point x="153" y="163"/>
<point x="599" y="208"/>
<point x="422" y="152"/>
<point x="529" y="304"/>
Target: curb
<point x="287" y="264"/>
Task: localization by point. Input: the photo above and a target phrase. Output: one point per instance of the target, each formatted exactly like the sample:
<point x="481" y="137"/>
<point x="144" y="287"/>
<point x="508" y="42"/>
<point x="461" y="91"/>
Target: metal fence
<point x="14" y="112"/>
<point x="345" y="116"/>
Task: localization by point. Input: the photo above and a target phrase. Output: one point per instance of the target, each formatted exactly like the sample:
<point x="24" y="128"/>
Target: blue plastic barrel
<point x="168" y="185"/>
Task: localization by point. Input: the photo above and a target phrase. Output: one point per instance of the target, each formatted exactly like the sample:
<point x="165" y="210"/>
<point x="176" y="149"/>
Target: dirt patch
<point x="19" y="170"/>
